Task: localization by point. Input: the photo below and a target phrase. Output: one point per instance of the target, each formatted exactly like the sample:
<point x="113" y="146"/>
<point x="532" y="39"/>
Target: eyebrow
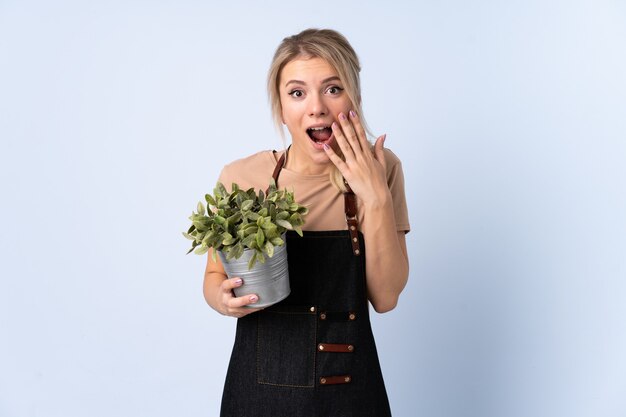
<point x="324" y="81"/>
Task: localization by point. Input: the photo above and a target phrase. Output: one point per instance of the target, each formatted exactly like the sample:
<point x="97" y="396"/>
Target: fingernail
<point x="238" y="281"/>
<point x="333" y="126"/>
<point x="253" y="298"/>
<point x="352" y="114"/>
<point x="342" y="116"/>
<point x="384" y="138"/>
<point x="326" y="147"/>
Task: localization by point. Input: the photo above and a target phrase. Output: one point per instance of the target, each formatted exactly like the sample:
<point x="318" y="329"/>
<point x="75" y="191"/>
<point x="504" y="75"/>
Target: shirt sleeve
<point x="395" y="181"/>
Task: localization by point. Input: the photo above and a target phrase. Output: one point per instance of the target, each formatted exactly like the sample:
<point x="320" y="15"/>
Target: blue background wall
<point x="116" y="118"/>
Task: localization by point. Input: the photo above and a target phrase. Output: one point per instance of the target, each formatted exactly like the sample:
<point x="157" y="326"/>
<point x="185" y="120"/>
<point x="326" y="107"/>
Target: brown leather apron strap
<point x="333" y="380"/>
<point x="335" y="347"/>
<point x="349" y="207"/>
<point x="351" y="218"/>
<point x="279" y="166"/>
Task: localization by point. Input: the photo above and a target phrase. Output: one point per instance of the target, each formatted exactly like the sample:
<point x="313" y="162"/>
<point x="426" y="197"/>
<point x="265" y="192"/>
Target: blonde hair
<point x="330" y="46"/>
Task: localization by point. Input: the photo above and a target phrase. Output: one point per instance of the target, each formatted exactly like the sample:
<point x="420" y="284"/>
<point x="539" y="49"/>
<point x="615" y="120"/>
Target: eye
<point x="296" y="93"/>
<point x="334" y="90"/>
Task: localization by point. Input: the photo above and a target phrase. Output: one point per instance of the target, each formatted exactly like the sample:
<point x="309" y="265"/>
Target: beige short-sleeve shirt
<point x="325" y="201"/>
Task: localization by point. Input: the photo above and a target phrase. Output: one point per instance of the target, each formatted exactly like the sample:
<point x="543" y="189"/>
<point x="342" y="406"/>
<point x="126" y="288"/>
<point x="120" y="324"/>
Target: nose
<point x="317" y="105"/>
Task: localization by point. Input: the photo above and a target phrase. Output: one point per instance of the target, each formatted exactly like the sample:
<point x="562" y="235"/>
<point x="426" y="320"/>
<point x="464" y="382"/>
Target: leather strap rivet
<point x="323" y="316"/>
<point x="312" y="309"/>
<point x="347" y="379"/>
<point x="354" y="239"/>
<point x="352" y="228"/>
<point x="320" y="347"/>
<point x="322" y="380"/>
<point x="356" y="252"/>
<point x="350" y="348"/>
<point x="352" y="316"/>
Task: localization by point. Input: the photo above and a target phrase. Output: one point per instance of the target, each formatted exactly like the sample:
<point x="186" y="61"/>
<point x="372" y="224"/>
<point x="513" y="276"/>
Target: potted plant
<point x="247" y="229"/>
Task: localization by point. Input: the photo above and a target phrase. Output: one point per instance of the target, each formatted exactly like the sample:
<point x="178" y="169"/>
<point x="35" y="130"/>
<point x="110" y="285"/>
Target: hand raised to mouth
<point x="364" y="167"/>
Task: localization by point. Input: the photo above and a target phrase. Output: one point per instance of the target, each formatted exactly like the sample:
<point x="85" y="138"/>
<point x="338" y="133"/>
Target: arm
<point x="387" y="264"/>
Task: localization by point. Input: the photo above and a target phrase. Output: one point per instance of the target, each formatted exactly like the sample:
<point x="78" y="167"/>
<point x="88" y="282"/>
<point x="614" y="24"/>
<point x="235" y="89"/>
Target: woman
<point x="313" y="354"/>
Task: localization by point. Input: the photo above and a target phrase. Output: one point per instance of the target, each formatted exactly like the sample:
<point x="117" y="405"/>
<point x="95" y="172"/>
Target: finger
<point x="349" y="133"/>
<point x="242" y="301"/>
<point x="335" y="159"/>
<point x="360" y="130"/>
<point x="341" y="140"/>
<point x="379" y="150"/>
<point x="243" y="311"/>
<point x="232" y="283"/>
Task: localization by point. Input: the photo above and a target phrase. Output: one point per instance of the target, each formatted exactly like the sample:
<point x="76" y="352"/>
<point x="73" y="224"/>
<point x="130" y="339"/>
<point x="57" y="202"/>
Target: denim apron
<point x="312" y="354"/>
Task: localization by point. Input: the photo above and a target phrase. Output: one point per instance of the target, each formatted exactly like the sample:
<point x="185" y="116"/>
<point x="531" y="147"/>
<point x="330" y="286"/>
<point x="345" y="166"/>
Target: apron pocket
<point x="286" y="347"/>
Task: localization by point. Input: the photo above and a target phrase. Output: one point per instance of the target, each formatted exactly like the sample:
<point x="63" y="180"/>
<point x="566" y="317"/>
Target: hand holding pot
<point x="235" y="306"/>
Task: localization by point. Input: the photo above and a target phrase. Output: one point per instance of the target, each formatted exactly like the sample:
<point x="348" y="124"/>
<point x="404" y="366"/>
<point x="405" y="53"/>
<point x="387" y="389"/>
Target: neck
<point x="303" y="164"/>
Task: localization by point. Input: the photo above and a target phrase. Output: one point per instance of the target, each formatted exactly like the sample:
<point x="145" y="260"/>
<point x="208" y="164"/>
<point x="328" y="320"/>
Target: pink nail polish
<point x="253" y="298"/>
<point x="342" y="116"/>
<point x="333" y="126"/>
<point x="238" y="281"/>
<point x="352" y="114"/>
<point x="326" y="147"/>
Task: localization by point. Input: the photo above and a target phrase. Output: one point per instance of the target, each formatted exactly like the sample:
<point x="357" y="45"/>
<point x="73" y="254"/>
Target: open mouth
<point x="320" y="134"/>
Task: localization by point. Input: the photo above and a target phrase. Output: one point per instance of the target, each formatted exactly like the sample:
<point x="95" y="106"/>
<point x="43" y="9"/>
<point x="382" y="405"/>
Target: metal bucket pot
<point x="270" y="281"/>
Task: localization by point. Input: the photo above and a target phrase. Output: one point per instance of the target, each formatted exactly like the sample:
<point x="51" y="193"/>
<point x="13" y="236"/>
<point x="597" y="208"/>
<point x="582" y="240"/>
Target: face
<point x="311" y="96"/>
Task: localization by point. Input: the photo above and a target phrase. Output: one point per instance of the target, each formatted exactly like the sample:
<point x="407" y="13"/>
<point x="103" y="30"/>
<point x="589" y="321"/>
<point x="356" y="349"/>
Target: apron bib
<point x="313" y="354"/>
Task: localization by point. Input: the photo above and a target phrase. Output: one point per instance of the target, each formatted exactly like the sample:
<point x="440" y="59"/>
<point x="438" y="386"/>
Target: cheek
<point x="342" y="106"/>
<point x="291" y="114"/>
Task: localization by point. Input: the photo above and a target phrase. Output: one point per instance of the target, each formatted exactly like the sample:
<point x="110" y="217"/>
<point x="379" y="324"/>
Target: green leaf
<point x="272" y="186"/>
<point x="260" y="257"/>
<point x="221" y="190"/>
<point x="269" y="248"/>
<point x="247" y="205"/>
<point x="191" y="228"/>
<point x="285" y="224"/>
<point x="235" y="218"/>
<point x="237" y="250"/>
<point x="298" y="231"/>
<point x="277" y="241"/>
<point x="271" y="231"/>
<point x="210" y="200"/>
<point x="260" y="238"/>
<point x="252" y="260"/>
<point x="228" y="239"/>
<point x="201" y="250"/>
<point x="247" y="241"/>
<point x="193" y="246"/>
<point x="251" y="228"/>
<point x="200" y="208"/>
<point x="296" y="219"/>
